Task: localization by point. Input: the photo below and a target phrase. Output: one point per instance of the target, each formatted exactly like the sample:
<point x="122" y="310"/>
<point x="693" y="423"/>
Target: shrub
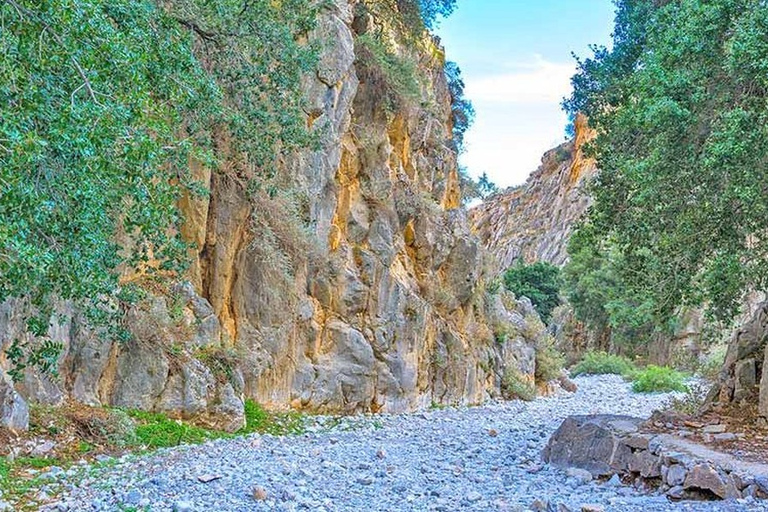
<point x="514" y="385"/>
<point x="539" y="281"/>
<point x="599" y="363"/>
<point x="393" y="75"/>
<point x="658" y="379"/>
<point x="549" y="362"/>
<point x="257" y="419"/>
<point x="713" y="362"/>
<point x="159" y="431"/>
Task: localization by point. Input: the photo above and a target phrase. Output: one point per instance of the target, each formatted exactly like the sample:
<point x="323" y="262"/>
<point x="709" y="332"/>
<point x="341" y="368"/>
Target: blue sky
<point x="515" y="56"/>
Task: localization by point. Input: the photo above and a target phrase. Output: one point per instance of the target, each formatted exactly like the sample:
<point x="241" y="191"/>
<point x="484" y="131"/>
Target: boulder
<point x="594" y="443"/>
<point x="704" y="477"/>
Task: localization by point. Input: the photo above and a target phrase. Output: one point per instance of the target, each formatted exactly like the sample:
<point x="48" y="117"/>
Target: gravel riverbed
<point x="477" y="459"/>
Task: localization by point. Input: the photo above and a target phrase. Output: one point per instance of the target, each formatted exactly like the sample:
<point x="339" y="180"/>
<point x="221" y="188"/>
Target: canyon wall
<point x="356" y="286"/>
<point x="533" y="222"/>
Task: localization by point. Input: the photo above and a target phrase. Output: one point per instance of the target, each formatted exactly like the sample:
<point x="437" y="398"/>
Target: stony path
<point x="475" y="459"/>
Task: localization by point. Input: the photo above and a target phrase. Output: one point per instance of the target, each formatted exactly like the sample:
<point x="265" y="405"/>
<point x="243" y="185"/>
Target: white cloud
<point x="539" y="81"/>
<point x="518" y="118"/>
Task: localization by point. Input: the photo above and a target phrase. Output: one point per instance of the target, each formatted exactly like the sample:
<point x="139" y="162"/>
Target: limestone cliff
<point x="356" y="287"/>
<point x="534" y="221"/>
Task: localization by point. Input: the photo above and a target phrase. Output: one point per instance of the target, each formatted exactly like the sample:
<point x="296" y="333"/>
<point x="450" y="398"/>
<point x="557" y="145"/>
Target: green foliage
<point x="475" y="189"/>
<point x="91" y="94"/>
<point x="514" y="385"/>
<point x="462" y="111"/>
<point x="221" y="361"/>
<point x="410" y="18"/>
<point x="277" y="424"/>
<point x="682" y="137"/>
<point x="393" y="74"/>
<point x="600" y="363"/>
<point x="597" y="288"/>
<point x="549" y="361"/>
<point x="657" y="379"/>
<point x="540" y="282"/>
<point x="713" y="362"/>
<point x="102" y="103"/>
<point x="158" y="431"/>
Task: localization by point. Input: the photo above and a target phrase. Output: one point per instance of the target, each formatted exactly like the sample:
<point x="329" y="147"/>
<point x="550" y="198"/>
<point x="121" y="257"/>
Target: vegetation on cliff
<point x="679" y="105"/>
<point x="102" y="106"/>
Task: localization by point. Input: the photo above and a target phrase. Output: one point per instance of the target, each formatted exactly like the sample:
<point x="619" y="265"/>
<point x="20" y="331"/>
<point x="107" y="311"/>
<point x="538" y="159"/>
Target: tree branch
<point x="24" y="12"/>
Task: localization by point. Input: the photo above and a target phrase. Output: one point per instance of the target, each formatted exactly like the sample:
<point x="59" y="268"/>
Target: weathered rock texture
<point x="608" y="445"/>
<point x="356" y="288"/>
<point x="744" y="376"/>
<point x="534" y="221"/>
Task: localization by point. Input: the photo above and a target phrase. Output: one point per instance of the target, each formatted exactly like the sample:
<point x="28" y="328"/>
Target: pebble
<point x="442" y="459"/>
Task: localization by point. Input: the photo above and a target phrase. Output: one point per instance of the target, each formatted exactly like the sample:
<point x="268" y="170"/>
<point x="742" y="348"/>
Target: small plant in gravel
<point x="658" y="379"/>
<point x="257" y="419"/>
<point x="692" y="401"/>
<point x="159" y="431"/>
<point x="600" y="363"/>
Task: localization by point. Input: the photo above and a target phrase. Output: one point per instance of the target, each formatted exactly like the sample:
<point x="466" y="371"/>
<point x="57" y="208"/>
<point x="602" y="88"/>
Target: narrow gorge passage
<point x="481" y="458"/>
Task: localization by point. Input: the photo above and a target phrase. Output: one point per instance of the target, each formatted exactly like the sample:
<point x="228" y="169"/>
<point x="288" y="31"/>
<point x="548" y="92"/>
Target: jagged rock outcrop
<point x="534" y="221"/>
<point x="744" y="376"/>
<point x="358" y="287"/>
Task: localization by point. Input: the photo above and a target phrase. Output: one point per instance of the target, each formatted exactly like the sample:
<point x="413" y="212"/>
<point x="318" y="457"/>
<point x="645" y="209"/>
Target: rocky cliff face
<point x="358" y="287"/>
<point x="534" y="221"/>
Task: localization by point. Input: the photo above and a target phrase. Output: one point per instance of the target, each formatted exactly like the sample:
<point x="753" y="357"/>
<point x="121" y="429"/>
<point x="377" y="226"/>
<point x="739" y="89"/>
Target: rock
<point x="540" y="506"/>
<point x="259" y="493"/>
<point x="183" y="506"/>
<point x="207" y="478"/>
<point x="594" y="443"/>
<point x="676" y="493"/>
<point x="703" y="476"/>
<point x="381" y="453"/>
<point x="714" y="429"/>
<point x="726" y="436"/>
<point x="14" y="413"/>
<point x="592" y="508"/>
<point x="676" y="475"/>
<point x="614" y="481"/>
<point x="643" y="462"/>
<point x="474" y="497"/>
<point x="581" y="475"/>
<point x="493" y="432"/>
<point x="43" y="448"/>
<point x="745" y="376"/>
<point x="638" y="441"/>
<point x="132" y="497"/>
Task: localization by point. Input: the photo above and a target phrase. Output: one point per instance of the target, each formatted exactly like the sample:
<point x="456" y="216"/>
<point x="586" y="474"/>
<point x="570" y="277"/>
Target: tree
<point x="679" y="105"/>
<point x="102" y="103"/>
<point x="462" y="111"/>
<point x="540" y="282"/>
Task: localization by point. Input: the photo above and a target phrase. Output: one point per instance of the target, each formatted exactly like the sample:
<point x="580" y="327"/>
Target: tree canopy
<point x="681" y="199"/>
<point x="102" y="103"/>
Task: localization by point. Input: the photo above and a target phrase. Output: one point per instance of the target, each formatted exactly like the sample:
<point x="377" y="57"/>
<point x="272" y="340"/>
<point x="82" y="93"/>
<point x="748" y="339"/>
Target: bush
<point x="257" y="419"/>
<point x="599" y="363"/>
<point x="159" y="431"/>
<point x="713" y="362"/>
<point x="514" y="385"/>
<point x="539" y="281"/>
<point x="549" y="362"/>
<point x="658" y="379"/>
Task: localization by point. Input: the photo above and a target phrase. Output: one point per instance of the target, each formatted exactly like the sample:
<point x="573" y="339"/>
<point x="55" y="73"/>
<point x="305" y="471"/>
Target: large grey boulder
<point x="599" y="444"/>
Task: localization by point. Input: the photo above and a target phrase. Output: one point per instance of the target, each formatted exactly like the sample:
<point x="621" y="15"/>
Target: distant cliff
<point x="534" y="221"/>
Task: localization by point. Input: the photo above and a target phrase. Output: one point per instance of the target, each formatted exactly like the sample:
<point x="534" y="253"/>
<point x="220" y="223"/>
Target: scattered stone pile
<point x="610" y="446"/>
